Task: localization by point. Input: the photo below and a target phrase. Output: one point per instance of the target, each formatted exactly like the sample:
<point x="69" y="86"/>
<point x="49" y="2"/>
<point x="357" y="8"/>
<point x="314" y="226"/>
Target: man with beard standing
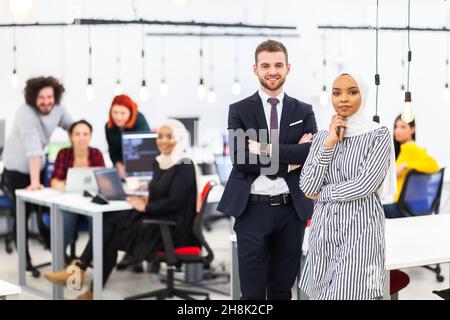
<point x="270" y="137"/>
<point x="34" y="123"/>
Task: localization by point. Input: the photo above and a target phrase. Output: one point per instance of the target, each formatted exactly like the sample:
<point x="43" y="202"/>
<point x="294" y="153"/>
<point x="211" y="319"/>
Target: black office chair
<point x="175" y="257"/>
<point x="7" y="210"/>
<point x="421" y="195"/>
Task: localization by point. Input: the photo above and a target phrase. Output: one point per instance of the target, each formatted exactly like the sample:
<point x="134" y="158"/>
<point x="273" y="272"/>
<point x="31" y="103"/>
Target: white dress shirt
<point x="263" y="185"/>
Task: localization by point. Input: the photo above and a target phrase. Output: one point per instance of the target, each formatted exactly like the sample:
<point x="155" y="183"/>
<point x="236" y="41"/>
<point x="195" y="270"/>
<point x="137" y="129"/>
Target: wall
<point x="63" y="53"/>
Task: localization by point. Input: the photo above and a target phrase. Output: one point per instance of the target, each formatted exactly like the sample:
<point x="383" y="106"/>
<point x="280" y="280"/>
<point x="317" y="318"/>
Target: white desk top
<point x="71" y="201"/>
<point x="8" y="289"/>
<point x="417" y="241"/>
<point x="411" y="242"/>
<point x="45" y="196"/>
<point x="77" y="203"/>
<point x="414" y="241"/>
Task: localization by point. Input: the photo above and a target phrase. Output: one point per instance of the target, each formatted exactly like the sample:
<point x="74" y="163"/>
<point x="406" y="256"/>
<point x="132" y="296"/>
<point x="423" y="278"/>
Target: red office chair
<point x="174" y="257"/>
<point x="398" y="281"/>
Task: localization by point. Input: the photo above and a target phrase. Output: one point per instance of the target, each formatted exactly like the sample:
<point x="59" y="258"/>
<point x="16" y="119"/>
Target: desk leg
<point x="57" y="245"/>
<point x="21" y="240"/>
<point x="97" y="243"/>
<point x="387" y="286"/>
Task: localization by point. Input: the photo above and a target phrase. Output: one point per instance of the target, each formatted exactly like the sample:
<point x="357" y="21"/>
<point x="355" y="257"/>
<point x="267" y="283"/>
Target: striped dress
<point x="346" y="247"/>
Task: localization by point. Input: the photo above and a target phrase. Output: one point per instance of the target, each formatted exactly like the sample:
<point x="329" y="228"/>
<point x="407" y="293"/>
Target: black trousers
<point x="269" y="240"/>
<point x="122" y="232"/>
<point x="10" y="182"/>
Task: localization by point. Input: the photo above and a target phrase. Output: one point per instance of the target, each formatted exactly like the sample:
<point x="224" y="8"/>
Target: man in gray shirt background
<point x="24" y="153"/>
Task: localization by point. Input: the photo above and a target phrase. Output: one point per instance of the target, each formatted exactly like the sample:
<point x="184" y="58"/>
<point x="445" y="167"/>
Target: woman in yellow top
<point x="409" y="156"/>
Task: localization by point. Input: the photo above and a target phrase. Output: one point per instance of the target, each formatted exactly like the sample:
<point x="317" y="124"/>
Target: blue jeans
<point x="391" y="211"/>
<point x="71" y="226"/>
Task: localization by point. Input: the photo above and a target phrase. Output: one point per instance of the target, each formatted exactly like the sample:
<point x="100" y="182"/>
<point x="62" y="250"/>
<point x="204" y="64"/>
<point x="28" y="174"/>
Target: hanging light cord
<point x="236" y="59"/>
<point x="211" y="66"/>
<point x="118" y="56"/>
<point x="446" y="43"/>
<point x="201" y="58"/>
<point x="324" y="62"/>
<point x="409" y="45"/>
<point x="143" y="53"/>
<point x="90" y="51"/>
<point x="376" y="117"/>
<point x="163" y="59"/>
<point x="14" y="50"/>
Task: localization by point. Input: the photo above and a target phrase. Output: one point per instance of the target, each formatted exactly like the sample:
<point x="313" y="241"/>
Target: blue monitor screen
<point x="139" y="153"/>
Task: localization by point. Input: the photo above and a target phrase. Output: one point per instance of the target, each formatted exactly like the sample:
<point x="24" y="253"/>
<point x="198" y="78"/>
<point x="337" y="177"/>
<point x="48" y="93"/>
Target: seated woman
<point x="409" y="156"/>
<point x="79" y="155"/>
<point x="172" y="196"/>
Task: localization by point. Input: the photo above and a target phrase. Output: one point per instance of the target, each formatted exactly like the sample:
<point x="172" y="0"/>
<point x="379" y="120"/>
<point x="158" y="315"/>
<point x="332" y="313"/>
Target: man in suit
<point x="263" y="191"/>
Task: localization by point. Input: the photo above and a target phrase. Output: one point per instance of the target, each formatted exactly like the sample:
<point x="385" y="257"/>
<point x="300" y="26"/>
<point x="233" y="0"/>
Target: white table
<point x="45" y="198"/>
<point x="8" y="289"/>
<point x="410" y="242"/>
<point x="413" y="242"/>
<point x="76" y="203"/>
<point x="58" y="203"/>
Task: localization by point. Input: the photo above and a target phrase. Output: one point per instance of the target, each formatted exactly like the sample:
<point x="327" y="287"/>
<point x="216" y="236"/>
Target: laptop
<point x="80" y="179"/>
<point x="109" y="184"/>
<point x="223" y="167"/>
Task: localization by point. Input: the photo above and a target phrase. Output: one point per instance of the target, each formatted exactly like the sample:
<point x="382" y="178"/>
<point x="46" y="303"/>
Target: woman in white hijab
<point x="348" y="168"/>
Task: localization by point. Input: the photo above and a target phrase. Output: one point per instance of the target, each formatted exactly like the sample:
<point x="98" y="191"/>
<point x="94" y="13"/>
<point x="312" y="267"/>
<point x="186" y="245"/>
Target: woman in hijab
<point x="348" y="169"/>
<point x="172" y="196"/>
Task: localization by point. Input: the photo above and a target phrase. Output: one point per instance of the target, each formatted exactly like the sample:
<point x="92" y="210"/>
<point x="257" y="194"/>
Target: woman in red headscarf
<point x="123" y="117"/>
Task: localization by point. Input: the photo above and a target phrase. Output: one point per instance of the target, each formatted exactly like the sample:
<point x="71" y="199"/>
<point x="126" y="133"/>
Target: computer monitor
<point x="191" y="124"/>
<point x="139" y="152"/>
<point x="223" y="167"/>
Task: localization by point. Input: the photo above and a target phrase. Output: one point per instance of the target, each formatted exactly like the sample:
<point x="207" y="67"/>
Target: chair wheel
<point x="8" y="249"/>
<point x="440" y="278"/>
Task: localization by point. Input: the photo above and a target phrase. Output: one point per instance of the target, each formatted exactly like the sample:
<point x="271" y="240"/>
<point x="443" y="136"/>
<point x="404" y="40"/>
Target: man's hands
<point x="255" y="147"/>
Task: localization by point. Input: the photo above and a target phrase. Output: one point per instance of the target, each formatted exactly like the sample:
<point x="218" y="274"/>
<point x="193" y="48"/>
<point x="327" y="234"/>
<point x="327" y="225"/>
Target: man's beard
<point x="45" y="112"/>
<point x="272" y="88"/>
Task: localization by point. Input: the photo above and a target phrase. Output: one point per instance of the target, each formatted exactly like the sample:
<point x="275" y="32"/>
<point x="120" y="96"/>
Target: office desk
<point x="8" y="289"/>
<point x="58" y="203"/>
<point x="414" y="242"/>
<point x="76" y="203"/>
<point x="410" y="242"/>
<point x="45" y="198"/>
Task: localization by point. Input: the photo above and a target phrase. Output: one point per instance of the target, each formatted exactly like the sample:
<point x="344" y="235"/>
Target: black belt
<point x="278" y="200"/>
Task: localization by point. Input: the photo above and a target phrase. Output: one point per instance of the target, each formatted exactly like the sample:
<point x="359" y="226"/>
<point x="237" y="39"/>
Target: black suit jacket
<point x="249" y="114"/>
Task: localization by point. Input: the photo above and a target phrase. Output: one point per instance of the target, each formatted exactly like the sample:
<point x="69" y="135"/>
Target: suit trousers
<point x="269" y="240"/>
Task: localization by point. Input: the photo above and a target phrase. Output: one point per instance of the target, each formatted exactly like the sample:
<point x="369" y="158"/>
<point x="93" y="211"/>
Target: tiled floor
<point x="124" y="283"/>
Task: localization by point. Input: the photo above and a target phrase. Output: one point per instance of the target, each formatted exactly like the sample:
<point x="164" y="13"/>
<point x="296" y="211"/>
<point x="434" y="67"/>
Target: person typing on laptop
<point x="172" y="196"/>
<point x="79" y="155"/>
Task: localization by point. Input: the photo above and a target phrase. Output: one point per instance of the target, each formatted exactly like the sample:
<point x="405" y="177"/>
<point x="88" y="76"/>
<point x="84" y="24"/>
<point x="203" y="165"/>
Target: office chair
<point x="7" y="207"/>
<point x="421" y="195"/>
<point x="174" y="257"/>
<point x="206" y="273"/>
<point x="398" y="281"/>
<point x="223" y="167"/>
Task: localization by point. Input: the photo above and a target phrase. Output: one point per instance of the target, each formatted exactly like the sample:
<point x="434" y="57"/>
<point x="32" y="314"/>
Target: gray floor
<point x="124" y="283"/>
